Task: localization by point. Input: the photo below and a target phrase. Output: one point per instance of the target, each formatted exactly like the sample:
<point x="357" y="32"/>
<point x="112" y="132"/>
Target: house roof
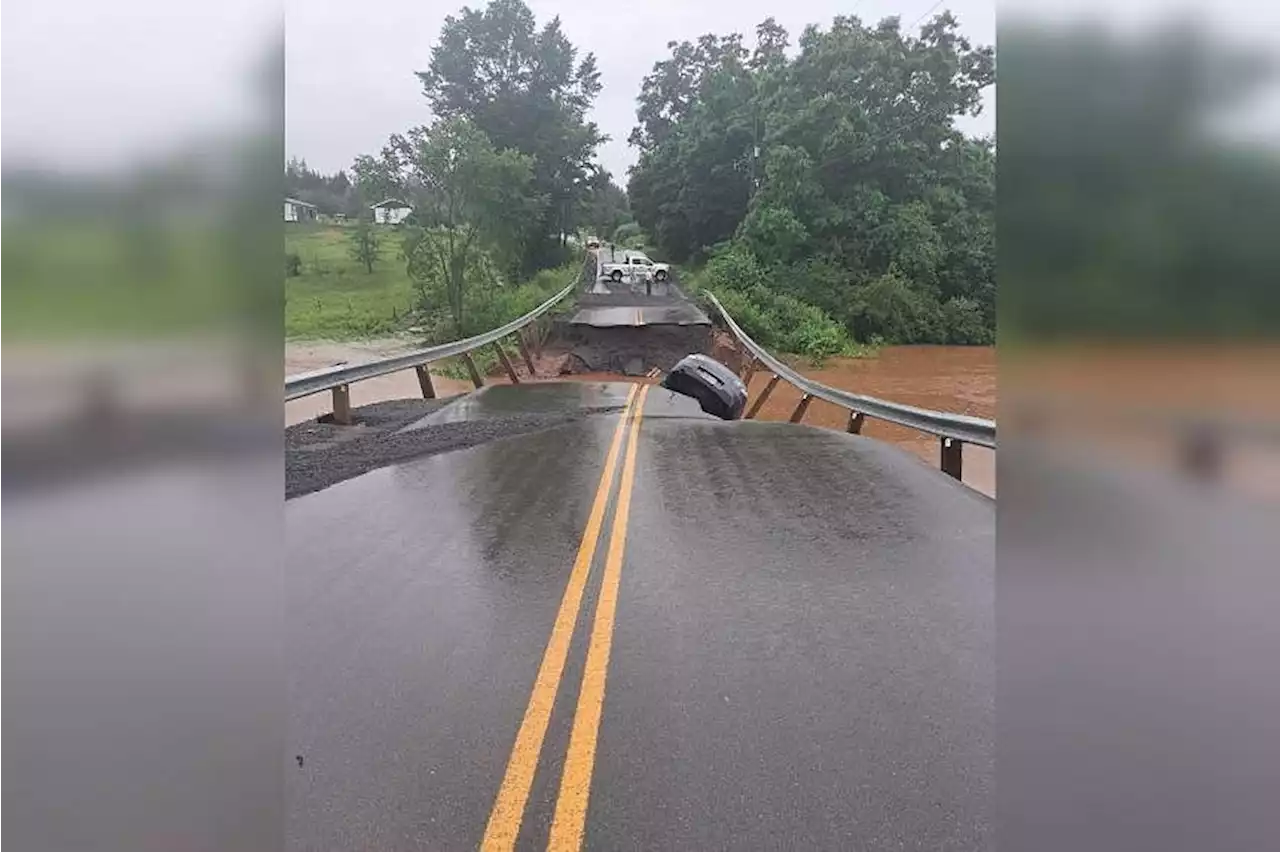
<point x="299" y="203"/>
<point x="389" y="202"/>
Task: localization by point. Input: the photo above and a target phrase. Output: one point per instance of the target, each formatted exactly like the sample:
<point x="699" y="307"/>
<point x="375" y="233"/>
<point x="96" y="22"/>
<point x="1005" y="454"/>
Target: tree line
<point x="331" y="194"/>
<point x="824" y="192"/>
<point x="832" y="179"/>
<point x="507" y="171"/>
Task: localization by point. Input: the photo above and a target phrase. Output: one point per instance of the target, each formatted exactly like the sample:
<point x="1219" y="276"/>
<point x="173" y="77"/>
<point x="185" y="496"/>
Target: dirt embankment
<point x="725" y="349"/>
<point x="632" y="351"/>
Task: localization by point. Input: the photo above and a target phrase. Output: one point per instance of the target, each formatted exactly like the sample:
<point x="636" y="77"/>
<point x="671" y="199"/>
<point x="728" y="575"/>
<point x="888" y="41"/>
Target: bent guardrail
<point x="953" y="430"/>
<point x="339" y="379"/>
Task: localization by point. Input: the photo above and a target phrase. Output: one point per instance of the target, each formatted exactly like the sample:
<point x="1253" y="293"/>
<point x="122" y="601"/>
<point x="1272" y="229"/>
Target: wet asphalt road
<point x="802" y="649"/>
<point x="497" y="401"/>
<point x="609" y="304"/>
<point x="640" y="315"/>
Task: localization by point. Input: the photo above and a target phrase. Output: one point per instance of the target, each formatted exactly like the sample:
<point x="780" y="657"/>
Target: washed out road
<point x="645" y="629"/>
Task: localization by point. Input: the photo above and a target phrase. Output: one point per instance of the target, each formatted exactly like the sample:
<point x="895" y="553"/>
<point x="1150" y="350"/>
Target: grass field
<point x="333" y="298"/>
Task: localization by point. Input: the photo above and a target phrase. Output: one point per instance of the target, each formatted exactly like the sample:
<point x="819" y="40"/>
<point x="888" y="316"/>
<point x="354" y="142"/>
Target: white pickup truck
<point x="634" y="266"/>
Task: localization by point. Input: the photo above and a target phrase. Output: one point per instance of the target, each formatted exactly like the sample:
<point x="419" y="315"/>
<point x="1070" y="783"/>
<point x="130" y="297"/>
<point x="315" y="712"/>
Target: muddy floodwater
<point x="956" y="379"/>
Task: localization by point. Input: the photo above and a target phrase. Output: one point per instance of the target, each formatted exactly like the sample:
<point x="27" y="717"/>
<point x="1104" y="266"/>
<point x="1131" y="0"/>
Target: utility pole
<point x="755" y="149"/>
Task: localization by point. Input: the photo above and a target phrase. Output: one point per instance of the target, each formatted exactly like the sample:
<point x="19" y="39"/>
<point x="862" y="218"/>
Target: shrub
<point x="292" y="264"/>
<point x="774" y="234"/>
<point x="734" y="267"/>
<point x="819" y="338"/>
<point x="775" y="320"/>
<point x="488" y="308"/>
<point x="744" y="312"/>
<point x="363" y="245"/>
<point x="803" y="329"/>
<point x="889" y="307"/>
<point x="965" y="324"/>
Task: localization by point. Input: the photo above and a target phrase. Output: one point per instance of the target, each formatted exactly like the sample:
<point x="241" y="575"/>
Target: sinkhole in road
<point x="632" y="351"/>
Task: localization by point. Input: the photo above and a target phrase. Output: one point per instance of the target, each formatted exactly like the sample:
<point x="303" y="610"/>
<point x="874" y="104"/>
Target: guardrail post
<point x="524" y="352"/>
<point x="764" y="396"/>
<point x="342" y="405"/>
<point x="952" y="457"/>
<point x="856" y="419"/>
<point x="476" y="379"/>
<point x="536" y="328"/>
<point x="506" y="363"/>
<point x="424" y="381"/>
<point x="801" y="408"/>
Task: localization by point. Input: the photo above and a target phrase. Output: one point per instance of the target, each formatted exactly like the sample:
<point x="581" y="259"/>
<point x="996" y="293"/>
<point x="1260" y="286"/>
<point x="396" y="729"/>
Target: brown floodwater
<point x="956" y="379"/>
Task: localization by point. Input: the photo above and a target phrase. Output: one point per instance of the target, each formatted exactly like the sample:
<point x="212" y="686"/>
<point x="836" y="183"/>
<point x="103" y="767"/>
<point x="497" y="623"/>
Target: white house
<point x="393" y="211"/>
<point x="299" y="211"/>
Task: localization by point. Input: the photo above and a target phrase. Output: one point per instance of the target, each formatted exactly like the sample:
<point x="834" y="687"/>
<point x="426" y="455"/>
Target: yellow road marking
<point x="575" y="785"/>
<point x="639" y="318"/>
<point x="508" y="808"/>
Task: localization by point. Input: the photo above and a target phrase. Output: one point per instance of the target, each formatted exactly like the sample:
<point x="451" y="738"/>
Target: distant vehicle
<point x="636" y="265"/>
<point x="593" y="242"/>
<point x="717" y="389"/>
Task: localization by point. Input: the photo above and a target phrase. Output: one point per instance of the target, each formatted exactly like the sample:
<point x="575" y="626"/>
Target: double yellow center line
<point x="575" y="787"/>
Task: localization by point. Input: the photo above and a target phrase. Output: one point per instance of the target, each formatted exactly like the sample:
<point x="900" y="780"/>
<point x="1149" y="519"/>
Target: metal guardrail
<point x="953" y="430"/>
<point x="339" y="379"/>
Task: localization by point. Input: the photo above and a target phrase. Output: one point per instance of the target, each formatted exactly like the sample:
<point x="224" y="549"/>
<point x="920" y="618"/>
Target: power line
<point x="926" y="14"/>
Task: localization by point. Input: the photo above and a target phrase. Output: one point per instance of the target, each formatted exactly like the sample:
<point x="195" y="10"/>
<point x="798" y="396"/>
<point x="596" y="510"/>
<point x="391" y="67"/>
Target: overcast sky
<point x="349" y="79"/>
<point x="88" y="84"/>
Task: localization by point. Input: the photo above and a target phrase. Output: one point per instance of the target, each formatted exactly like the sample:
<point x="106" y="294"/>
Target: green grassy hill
<point x="333" y="297"/>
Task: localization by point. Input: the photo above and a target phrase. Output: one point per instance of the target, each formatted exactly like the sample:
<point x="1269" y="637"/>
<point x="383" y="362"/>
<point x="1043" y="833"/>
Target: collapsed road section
<point x="632" y="327"/>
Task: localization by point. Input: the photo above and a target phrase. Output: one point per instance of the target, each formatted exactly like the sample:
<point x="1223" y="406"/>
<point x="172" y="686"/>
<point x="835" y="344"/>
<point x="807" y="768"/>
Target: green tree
<point x="771" y="45"/>
<point x="469" y="199"/>
<point x="839" y="169"/>
<point x="364" y="245"/>
<point x="527" y="90"/>
<point x="669" y="93"/>
<point x="379" y="178"/>
<point x="607" y="207"/>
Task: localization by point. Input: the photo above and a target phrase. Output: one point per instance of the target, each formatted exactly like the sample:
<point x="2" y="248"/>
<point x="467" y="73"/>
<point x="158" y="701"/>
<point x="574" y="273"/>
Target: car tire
<point x="616" y="275"/>
<point x="660" y="275"/>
